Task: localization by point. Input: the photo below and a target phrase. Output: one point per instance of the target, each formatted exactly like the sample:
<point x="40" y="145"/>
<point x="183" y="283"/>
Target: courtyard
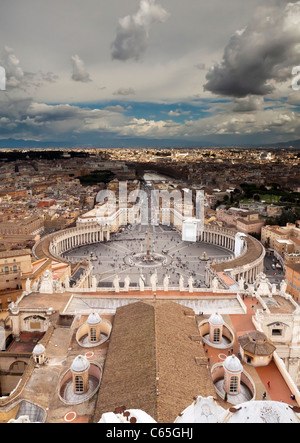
<point x="126" y="255"/>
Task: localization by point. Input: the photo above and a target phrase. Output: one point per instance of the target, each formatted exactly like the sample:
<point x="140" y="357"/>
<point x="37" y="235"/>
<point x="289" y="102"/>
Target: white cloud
<point x="124" y="91"/>
<point x="79" y="72"/>
<point x="14" y="72"/>
<point x="133" y="31"/>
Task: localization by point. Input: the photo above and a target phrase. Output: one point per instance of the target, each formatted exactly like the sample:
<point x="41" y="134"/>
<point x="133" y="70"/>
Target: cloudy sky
<point x="149" y="72"/>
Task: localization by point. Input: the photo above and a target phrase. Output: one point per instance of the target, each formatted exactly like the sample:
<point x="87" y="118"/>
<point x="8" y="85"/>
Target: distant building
<point x="292" y="277"/>
<point x="243" y="220"/>
<point x="24" y="226"/>
<point x="274" y="211"/>
<point x="12" y="265"/>
<point x="46" y="203"/>
<point x="252" y="223"/>
<point x="283" y="240"/>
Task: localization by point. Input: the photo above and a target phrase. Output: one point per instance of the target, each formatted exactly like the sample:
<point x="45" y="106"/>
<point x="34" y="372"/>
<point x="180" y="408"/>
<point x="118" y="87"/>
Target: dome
<point x="202" y="410"/>
<point x="261" y="412"/>
<point x="257" y="343"/>
<point x="94" y="319"/>
<point x="80" y="365"/>
<point x="127" y="416"/>
<point x="233" y="364"/>
<point x="216" y="320"/>
<point x="39" y="349"/>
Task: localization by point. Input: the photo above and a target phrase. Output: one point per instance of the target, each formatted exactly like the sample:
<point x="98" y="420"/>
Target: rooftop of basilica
<point x="140" y="318"/>
<point x="146" y="335"/>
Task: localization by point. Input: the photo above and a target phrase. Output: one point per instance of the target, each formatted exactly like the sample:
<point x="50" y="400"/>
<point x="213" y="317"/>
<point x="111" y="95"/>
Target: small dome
<point x="257" y="343"/>
<point x="216" y="320"/>
<point x="39" y="349"/>
<point x="233" y="364"/>
<point x="80" y="365"/>
<point x="94" y="319"/>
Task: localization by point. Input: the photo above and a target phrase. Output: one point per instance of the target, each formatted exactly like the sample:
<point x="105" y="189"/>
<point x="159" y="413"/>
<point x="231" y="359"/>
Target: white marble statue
<point x="283" y="287"/>
<point x="142" y="283"/>
<point x="181" y="284"/>
<point x="166" y="283"/>
<point x="153" y="281"/>
<point x="58" y="285"/>
<point x="127" y="283"/>
<point x="215" y="284"/>
<point x="94" y="283"/>
<point x="67" y="282"/>
<point x="250" y="289"/>
<point x="46" y="286"/>
<point x="263" y="286"/>
<point x="191" y="284"/>
<point x="116" y="283"/>
<point x="28" y="285"/>
<point x="35" y="286"/>
<point x="242" y="284"/>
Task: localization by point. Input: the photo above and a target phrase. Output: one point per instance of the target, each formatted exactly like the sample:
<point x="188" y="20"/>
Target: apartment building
<point x="243" y="220"/>
<point x="25" y="226"/>
<point x="282" y="239"/>
<point x="12" y="265"/>
<point x="292" y="277"/>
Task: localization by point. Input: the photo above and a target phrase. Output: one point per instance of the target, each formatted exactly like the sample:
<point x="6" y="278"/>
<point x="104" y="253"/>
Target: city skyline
<point x="149" y="73"/>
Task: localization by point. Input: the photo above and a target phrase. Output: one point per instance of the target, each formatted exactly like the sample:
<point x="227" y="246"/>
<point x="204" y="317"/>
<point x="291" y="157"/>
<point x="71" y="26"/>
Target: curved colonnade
<point x="247" y="265"/>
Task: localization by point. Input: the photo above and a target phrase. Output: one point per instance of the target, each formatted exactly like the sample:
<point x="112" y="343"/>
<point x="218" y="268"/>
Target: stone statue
<point x="251" y="290"/>
<point x="166" y="283"/>
<point x="263" y="286"/>
<point x="274" y="289"/>
<point x="47" y="283"/>
<point x="58" y="287"/>
<point x="191" y="283"/>
<point x="215" y="284"/>
<point x="28" y="285"/>
<point x="127" y="283"/>
<point x="116" y="283"/>
<point x="181" y="284"/>
<point x="242" y="284"/>
<point x="67" y="282"/>
<point x="35" y="286"/>
<point x="283" y="287"/>
<point x="94" y="283"/>
<point x="153" y="281"/>
<point x="142" y="283"/>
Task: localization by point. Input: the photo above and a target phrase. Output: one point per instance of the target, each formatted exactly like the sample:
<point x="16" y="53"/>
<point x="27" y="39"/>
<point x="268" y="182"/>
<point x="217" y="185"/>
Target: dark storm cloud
<point x="259" y="56"/>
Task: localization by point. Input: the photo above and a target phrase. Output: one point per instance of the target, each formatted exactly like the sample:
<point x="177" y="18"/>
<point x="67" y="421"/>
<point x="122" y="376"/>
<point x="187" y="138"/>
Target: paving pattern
<point x="121" y="256"/>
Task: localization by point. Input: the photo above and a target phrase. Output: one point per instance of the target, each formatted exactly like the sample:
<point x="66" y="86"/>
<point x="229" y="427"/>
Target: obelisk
<point x="148" y="245"/>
